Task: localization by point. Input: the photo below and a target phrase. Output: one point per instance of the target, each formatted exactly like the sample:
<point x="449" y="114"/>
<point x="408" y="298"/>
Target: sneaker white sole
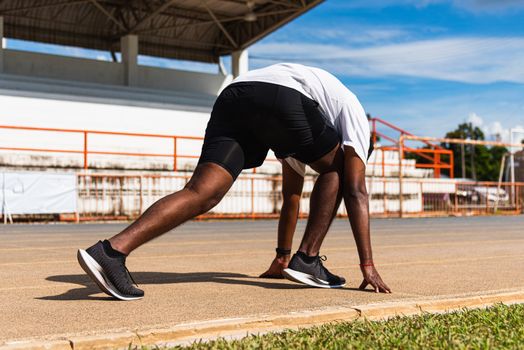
<point x="95" y="271"/>
<point x="300" y="277"/>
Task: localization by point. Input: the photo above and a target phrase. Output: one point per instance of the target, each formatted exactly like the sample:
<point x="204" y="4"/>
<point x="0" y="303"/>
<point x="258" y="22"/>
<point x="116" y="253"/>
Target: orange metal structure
<point x="118" y="196"/>
<point x="85" y="152"/>
<point x="515" y="189"/>
<point x="432" y="154"/>
<point x="121" y="197"/>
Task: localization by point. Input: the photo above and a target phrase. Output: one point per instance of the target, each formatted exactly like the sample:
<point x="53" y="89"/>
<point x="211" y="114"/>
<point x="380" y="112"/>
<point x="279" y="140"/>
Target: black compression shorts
<point x="249" y="118"/>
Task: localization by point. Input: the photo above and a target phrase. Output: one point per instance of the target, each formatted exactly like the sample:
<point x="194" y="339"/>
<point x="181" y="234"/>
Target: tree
<point x="479" y="162"/>
<point x="476" y="162"/>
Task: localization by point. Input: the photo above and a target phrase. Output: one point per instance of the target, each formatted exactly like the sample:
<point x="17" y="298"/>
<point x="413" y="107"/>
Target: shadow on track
<point x="89" y="287"/>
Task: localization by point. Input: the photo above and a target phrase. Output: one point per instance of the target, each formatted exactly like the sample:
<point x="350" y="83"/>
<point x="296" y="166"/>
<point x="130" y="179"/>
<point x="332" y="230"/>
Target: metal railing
<point x="173" y="153"/>
<point x="85" y="151"/>
<point x="115" y="196"/>
<point x="515" y="190"/>
<point x="110" y="197"/>
<point x="432" y="155"/>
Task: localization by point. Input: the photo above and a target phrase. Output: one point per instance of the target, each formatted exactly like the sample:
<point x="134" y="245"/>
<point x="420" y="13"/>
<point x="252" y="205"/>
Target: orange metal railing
<point x="175" y="155"/>
<point x="86" y="152"/>
<point x="123" y="197"/>
<point x="117" y="196"/>
<point x="433" y="154"/>
<point x="103" y="196"/>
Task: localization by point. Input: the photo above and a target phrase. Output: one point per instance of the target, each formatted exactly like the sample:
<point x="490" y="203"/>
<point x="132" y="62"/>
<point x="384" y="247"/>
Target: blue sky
<point x="424" y="65"/>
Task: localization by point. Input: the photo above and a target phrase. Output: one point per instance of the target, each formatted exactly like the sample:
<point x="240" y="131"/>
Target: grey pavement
<point x="208" y="271"/>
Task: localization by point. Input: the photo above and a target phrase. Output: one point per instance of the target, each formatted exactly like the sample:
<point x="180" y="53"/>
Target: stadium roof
<point x="195" y="30"/>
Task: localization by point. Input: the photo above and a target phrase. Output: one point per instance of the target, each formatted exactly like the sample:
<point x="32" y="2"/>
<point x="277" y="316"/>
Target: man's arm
<point x="357" y="204"/>
<point x="292" y="184"/>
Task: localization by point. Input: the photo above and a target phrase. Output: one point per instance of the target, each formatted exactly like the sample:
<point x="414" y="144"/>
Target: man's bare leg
<point x="105" y="261"/>
<point x="292" y="184"/>
<point x="325" y="200"/>
<point x="209" y="183"/>
<point x="306" y="266"/>
<point x="322" y="210"/>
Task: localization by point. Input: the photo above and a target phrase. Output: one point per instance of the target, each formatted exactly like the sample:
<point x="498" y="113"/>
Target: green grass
<point x="498" y="327"/>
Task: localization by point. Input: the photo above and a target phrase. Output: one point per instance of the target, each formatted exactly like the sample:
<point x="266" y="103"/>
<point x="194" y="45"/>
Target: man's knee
<point x="332" y="161"/>
<point x="206" y="196"/>
<point x="209" y="183"/>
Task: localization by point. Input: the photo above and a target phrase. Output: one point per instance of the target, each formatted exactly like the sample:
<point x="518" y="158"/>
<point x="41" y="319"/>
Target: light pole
<point x="513" y="150"/>
<point x="512" y="159"/>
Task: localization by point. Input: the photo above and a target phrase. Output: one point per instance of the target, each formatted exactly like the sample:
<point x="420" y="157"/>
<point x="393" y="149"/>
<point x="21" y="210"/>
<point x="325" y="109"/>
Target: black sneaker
<point x="109" y="273"/>
<point x="312" y="273"/>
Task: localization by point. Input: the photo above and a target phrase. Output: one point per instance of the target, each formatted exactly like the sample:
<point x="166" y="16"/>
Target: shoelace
<point x="320" y="259"/>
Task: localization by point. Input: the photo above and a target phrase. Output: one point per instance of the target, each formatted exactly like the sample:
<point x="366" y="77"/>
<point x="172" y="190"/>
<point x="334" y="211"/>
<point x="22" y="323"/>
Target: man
<point x="261" y="110"/>
<point x="293" y="173"/>
<point x="350" y="121"/>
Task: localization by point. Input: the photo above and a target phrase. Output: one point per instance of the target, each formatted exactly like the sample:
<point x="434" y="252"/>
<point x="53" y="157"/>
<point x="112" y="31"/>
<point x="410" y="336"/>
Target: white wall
<point x="60" y="114"/>
<point x="48" y="113"/>
<point x="60" y="67"/>
<point x="50" y="91"/>
<point x="181" y="81"/>
<point x="33" y="64"/>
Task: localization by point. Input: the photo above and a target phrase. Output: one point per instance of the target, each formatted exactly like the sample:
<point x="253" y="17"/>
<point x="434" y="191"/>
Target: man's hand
<point x="372" y="277"/>
<point x="277" y="266"/>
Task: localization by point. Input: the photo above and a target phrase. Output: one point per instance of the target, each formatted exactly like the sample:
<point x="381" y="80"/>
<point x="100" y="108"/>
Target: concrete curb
<point x="186" y="333"/>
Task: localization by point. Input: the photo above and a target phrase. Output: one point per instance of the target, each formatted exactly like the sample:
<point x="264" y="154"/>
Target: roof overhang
<point x="195" y="30"/>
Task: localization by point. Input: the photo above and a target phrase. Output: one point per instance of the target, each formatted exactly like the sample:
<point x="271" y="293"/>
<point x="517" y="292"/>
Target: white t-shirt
<point x="338" y="104"/>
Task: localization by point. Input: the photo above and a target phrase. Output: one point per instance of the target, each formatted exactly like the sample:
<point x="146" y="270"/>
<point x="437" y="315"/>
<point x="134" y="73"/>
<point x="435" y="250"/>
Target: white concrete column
<point x="2" y="44"/>
<point x="239" y="62"/>
<point x="129" y="49"/>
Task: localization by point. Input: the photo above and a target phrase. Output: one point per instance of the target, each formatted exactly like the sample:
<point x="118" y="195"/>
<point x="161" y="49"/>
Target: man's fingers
<point x="384" y="289"/>
<point x="363" y="285"/>
<point x="372" y="282"/>
<point x="376" y="282"/>
<point x="379" y="286"/>
<point x="384" y="286"/>
<point x="376" y="287"/>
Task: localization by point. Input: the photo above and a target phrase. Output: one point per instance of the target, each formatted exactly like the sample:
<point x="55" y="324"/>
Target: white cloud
<point x="469" y="60"/>
<point x="387" y="3"/>
<point x="378" y="35"/>
<point x="475" y="119"/>
<point x="493" y="130"/>
<point x="357" y="34"/>
<point x="442" y="110"/>
<point x="469" y="5"/>
<point x="488" y="5"/>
